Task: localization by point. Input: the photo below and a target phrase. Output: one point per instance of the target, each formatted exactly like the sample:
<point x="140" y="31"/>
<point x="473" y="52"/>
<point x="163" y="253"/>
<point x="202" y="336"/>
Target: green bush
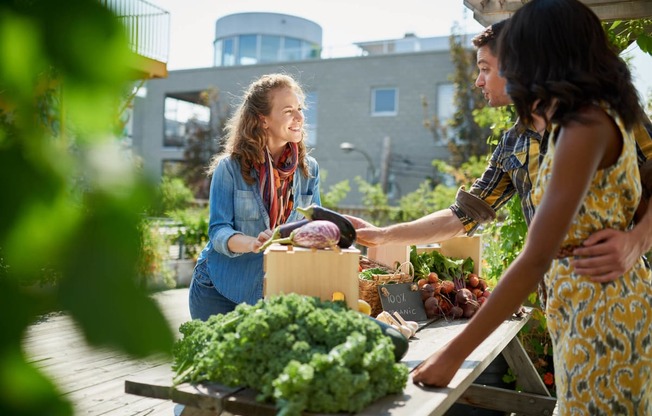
<point x="173" y="195"/>
<point x="151" y="270"/>
<point x="193" y="229"/>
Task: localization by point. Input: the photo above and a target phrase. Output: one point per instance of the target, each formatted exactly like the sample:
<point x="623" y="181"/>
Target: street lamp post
<point x="347" y="147"/>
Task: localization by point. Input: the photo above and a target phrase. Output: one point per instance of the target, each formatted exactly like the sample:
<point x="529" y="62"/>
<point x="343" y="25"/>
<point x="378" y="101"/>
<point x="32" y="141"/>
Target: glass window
<point x="228" y="52"/>
<point x="445" y="103"/>
<point x="445" y="108"/>
<point x="270" y="46"/>
<point x="384" y="101"/>
<point x="292" y="49"/>
<point x="177" y="114"/>
<point x="217" y="53"/>
<point x="310" y="118"/>
<point x="248" y="51"/>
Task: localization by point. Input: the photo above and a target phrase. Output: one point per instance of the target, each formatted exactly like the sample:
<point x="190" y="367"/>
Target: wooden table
<point x="533" y="399"/>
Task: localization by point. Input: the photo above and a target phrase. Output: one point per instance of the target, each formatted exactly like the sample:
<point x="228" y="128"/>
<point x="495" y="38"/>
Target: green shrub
<point x="193" y="229"/>
<point x="173" y="194"/>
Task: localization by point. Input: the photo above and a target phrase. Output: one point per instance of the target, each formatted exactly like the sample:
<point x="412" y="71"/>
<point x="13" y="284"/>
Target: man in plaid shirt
<point x="513" y="169"/>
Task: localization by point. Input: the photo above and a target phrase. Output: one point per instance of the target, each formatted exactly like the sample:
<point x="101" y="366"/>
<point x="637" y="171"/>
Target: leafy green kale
<point x="297" y="351"/>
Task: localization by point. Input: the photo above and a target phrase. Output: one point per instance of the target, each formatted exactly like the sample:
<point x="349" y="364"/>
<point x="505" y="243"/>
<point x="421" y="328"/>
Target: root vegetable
<point x="431" y="306"/>
<point x="473" y="279"/>
<point x="456" y="312"/>
<point x="433" y="277"/>
<point x="470" y="309"/>
<point x="464" y="296"/>
<point x="427" y="291"/>
<point x="447" y="287"/>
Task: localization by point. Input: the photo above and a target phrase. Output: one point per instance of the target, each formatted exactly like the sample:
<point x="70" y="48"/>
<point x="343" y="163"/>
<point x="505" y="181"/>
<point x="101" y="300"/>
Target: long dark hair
<point x="557" y="51"/>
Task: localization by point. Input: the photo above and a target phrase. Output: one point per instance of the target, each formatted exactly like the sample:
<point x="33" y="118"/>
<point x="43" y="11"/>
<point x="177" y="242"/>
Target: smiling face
<point x="489" y="79"/>
<point x="284" y="123"/>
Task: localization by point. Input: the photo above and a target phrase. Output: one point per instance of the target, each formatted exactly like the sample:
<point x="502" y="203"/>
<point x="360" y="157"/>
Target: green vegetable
<point x="447" y="268"/>
<point x="368" y="273"/>
<point x="401" y="343"/>
<point x="302" y="353"/>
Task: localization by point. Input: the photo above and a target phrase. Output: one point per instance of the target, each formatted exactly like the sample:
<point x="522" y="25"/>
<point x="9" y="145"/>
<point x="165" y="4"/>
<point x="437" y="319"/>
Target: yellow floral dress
<point x="601" y="332"/>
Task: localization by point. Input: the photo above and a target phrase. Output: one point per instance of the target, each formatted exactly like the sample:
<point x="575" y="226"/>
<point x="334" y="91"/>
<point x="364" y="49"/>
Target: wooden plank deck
<point x="93" y="379"/>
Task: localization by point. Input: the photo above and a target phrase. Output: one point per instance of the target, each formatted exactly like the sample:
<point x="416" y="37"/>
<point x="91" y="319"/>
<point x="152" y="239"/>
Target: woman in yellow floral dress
<point x="562" y="75"/>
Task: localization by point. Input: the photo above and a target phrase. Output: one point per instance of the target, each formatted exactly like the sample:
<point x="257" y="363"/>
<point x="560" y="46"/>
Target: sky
<point x="343" y="22"/>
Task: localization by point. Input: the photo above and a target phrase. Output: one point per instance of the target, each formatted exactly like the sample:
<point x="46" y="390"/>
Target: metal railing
<point x="147" y="25"/>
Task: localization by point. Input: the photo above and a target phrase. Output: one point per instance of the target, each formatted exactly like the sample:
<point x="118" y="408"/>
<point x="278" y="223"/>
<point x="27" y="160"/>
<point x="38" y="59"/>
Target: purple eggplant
<point x="347" y="231"/>
<point x="314" y="234"/>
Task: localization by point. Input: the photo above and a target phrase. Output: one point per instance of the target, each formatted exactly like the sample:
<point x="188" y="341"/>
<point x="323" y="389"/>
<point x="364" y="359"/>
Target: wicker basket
<point x="369" y="288"/>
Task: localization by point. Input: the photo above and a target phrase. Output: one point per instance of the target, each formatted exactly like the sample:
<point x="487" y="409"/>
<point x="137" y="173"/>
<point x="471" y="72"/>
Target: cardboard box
<point x="312" y="272"/>
<point x="460" y="247"/>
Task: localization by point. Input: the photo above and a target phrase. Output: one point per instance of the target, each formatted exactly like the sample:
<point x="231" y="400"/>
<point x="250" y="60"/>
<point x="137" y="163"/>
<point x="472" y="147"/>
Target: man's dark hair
<point x="489" y="37"/>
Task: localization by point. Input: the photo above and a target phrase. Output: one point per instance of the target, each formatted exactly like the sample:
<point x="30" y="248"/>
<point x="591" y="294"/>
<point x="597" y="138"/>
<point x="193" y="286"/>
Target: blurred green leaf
<point x="25" y="391"/>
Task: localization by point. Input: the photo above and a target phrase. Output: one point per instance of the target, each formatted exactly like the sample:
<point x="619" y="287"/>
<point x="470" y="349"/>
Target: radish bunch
<point x="460" y="297"/>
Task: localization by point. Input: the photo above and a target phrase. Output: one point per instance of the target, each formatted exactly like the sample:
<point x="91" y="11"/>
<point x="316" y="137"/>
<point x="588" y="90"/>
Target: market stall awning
<point x="487" y="12"/>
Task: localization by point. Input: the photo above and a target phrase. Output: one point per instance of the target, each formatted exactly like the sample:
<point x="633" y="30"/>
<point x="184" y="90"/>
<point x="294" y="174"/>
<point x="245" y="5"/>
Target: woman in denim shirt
<point x="263" y="173"/>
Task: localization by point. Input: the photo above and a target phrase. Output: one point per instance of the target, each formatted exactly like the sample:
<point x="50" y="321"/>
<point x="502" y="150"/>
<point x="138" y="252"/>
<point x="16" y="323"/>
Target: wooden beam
<point x="487" y="12"/>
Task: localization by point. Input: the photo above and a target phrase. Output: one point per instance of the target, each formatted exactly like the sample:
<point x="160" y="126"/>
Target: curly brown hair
<point x="245" y="138"/>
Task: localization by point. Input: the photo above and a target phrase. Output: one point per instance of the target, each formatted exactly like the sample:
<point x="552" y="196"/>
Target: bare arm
<point x="568" y="185"/>
<point x="438" y="226"/>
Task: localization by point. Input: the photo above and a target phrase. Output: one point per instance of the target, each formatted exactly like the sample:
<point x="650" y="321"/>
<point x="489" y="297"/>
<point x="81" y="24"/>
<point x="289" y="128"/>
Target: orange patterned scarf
<point x="276" y="184"/>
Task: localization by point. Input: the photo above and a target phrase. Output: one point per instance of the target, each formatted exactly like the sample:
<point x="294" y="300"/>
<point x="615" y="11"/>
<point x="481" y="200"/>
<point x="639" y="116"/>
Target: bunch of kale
<point x="297" y="351"/>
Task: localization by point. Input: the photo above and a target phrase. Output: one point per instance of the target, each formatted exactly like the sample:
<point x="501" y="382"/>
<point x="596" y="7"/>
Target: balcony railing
<point x="147" y="25"/>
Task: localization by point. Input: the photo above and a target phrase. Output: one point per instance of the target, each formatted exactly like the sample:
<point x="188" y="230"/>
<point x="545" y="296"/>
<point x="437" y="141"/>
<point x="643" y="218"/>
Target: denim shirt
<point x="236" y="207"/>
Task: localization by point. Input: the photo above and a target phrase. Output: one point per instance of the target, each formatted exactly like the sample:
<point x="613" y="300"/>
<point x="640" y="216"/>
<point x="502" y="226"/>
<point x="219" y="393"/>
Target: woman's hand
<point x="260" y="240"/>
<point x="438" y="369"/>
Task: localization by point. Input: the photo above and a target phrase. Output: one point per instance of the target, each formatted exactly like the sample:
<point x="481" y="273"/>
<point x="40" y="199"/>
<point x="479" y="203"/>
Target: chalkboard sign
<point x="401" y="298"/>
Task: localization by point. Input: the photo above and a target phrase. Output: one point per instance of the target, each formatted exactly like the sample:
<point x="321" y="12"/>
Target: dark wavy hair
<point x="557" y="50"/>
<point x="489" y="37"/>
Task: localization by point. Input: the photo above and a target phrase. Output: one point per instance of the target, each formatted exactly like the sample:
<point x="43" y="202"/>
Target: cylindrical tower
<point x="256" y="38"/>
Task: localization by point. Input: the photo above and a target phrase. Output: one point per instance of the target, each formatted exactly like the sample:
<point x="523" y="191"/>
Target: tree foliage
<point x="465" y="137"/>
<point x="71" y="201"/>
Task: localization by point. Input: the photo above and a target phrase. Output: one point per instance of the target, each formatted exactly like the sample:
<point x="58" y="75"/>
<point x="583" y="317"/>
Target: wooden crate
<point x="460" y="247"/>
<point x="389" y="255"/>
<point x="312" y="272"/>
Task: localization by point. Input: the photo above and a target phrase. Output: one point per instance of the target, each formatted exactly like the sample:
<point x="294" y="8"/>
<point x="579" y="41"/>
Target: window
<point x="445" y="108"/>
<point x="292" y="49"/>
<point x="384" y="101"/>
<point x="269" y="48"/>
<point x="248" y="53"/>
<point x="228" y="52"/>
<point x="177" y="114"/>
<point x="310" y="115"/>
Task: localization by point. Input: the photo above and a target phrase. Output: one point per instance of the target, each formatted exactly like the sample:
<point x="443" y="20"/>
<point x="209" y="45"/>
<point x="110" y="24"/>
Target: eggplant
<point x="284" y="230"/>
<point x="347" y="231"/>
<point x="314" y="234"/>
